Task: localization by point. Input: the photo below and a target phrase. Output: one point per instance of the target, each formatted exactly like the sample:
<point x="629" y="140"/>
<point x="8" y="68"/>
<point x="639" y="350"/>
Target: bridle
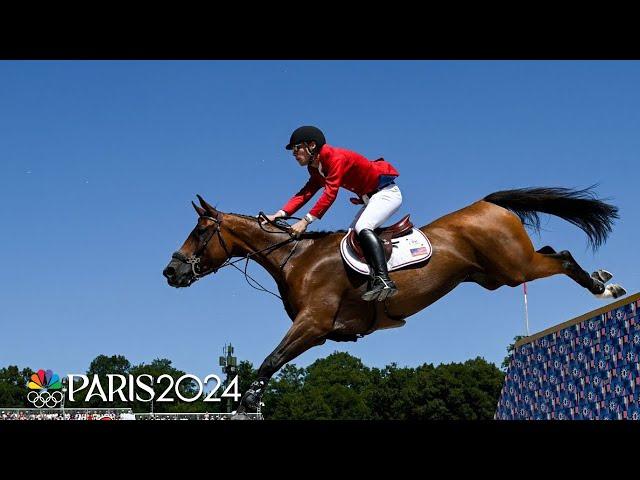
<point x="194" y="259"/>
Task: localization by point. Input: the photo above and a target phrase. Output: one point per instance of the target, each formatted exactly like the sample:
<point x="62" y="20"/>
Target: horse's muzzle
<point x="179" y="274"/>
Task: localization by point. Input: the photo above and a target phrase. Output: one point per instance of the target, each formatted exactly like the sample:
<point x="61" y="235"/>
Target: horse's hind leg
<point x="492" y="282"/>
<point x="547" y="264"/>
<point x="601" y="275"/>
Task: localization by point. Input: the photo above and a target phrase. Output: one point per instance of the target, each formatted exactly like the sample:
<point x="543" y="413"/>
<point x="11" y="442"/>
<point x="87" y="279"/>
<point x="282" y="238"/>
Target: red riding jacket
<point x="337" y="168"/>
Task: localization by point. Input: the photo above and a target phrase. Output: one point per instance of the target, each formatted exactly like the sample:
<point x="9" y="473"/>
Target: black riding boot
<point x="381" y="285"/>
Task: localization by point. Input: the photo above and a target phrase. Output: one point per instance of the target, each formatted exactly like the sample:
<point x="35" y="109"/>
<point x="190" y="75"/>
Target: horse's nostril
<point x="169" y="272"/>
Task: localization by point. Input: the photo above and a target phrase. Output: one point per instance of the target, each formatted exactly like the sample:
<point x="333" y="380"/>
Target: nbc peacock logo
<point x="45" y="389"/>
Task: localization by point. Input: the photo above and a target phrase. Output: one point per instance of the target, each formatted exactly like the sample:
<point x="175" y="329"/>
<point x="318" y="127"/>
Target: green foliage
<point x="338" y="387"/>
<point x="13" y="386"/>
<point x="330" y="388"/>
<point x="510" y="349"/>
<point x="103" y="365"/>
<point x="246" y="375"/>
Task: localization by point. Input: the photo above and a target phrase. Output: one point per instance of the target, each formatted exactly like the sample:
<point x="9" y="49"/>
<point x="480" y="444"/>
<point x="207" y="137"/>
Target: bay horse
<point x="485" y="242"/>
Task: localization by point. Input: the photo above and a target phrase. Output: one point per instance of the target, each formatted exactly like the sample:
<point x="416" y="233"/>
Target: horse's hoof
<point x="240" y="416"/>
<point x="602" y="275"/>
<point x="617" y="290"/>
<point x="612" y="291"/>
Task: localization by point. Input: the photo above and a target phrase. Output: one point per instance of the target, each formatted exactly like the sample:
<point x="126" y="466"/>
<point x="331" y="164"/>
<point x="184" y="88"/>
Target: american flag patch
<point x="418" y="251"/>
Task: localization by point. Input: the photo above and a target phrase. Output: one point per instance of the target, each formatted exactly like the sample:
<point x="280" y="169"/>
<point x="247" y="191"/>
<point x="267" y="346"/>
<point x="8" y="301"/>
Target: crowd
<point x="105" y="414"/>
<point x="29" y="414"/>
<point x="189" y="416"/>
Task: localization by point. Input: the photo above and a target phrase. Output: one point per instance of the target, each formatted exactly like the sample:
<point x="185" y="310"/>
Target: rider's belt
<point x="384" y="181"/>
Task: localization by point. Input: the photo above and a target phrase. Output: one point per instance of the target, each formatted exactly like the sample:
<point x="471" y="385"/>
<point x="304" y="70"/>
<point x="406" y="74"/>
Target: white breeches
<point x="378" y="208"/>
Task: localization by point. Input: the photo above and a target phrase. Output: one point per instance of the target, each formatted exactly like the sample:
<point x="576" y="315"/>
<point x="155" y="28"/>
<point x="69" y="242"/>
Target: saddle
<point x="399" y="229"/>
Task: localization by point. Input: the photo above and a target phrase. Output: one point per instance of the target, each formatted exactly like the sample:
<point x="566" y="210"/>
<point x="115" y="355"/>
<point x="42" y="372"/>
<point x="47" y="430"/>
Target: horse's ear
<point x="206" y="206"/>
<point x="201" y="211"/>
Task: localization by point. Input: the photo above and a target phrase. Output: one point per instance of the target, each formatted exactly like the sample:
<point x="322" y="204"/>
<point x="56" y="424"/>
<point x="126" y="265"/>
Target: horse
<point x="484" y="242"/>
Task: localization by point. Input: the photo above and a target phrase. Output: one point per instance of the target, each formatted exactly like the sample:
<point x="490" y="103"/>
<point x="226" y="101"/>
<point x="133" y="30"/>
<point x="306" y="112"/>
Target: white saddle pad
<point x="407" y="250"/>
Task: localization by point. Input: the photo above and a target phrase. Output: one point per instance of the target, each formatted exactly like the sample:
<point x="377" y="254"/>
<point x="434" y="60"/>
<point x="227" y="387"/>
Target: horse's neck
<point x="250" y="238"/>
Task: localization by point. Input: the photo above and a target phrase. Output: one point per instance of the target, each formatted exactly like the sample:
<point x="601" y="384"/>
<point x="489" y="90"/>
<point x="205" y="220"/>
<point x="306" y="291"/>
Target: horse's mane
<point x="310" y="235"/>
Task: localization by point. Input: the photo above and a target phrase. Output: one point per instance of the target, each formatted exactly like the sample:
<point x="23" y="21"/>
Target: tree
<point x="339" y="386"/>
<point x="392" y="392"/>
<point x="510" y="349"/>
<point x="458" y="391"/>
<point x="103" y="365"/>
<point x="13" y="386"/>
<point x="246" y="375"/>
<point x="330" y="388"/>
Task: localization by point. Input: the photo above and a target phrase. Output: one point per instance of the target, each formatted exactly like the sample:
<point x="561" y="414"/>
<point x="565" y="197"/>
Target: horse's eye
<point x="201" y="230"/>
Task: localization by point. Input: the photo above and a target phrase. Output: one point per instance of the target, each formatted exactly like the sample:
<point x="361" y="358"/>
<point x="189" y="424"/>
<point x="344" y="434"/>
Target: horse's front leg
<point x="307" y="331"/>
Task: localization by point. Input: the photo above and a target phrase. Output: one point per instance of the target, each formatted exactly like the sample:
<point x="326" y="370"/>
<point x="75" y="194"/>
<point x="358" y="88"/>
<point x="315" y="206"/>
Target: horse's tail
<point x="580" y="207"/>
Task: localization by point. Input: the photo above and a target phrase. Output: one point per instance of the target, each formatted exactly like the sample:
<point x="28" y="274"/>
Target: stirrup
<point x="380" y="292"/>
<point x="387" y="292"/>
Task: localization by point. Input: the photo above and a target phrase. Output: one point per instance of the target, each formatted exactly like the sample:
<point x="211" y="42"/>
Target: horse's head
<point x="204" y="251"/>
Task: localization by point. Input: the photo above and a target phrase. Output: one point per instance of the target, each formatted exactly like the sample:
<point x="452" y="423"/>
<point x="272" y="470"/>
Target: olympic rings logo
<point x="40" y="399"/>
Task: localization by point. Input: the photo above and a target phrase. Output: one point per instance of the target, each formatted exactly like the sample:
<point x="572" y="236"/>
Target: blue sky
<point x="99" y="162"/>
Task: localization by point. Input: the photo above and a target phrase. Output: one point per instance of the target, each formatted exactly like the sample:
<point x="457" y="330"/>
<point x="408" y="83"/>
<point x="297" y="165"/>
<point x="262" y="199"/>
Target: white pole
<point x="526" y="309"/>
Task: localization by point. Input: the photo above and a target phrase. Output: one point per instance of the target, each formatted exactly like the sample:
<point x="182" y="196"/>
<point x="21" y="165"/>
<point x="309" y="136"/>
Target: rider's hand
<point x="299" y="227"/>
<point x="356" y="201"/>
<point x="271" y="218"/>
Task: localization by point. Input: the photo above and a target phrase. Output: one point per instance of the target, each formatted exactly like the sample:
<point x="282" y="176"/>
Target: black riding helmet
<point x="306" y="134"/>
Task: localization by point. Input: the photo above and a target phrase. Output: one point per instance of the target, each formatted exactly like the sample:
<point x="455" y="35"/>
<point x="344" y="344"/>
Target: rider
<point x="374" y="183"/>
